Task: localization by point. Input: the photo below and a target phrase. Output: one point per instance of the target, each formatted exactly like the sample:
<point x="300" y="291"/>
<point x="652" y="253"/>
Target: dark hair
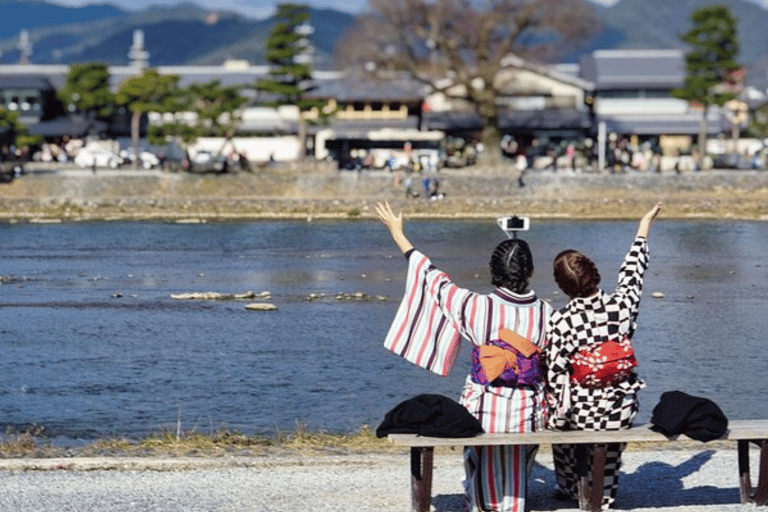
<point x="512" y="265"/>
<point x="576" y="274"/>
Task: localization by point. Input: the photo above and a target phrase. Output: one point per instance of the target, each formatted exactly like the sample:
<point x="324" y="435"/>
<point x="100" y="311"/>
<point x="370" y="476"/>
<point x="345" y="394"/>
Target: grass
<point x="33" y="444"/>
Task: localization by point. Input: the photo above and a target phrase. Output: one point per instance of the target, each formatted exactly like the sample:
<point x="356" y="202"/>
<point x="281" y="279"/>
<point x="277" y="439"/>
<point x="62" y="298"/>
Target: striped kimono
<point x="432" y="319"/>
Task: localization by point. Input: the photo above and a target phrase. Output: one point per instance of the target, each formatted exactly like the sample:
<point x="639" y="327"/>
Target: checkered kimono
<point x="573" y="407"/>
<point x="432" y="319"/>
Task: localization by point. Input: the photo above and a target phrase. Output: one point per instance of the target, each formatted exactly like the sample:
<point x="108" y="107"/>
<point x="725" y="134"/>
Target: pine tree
<point x="710" y="62"/>
<point x="288" y="52"/>
<point x="149" y="92"/>
<point x="86" y="90"/>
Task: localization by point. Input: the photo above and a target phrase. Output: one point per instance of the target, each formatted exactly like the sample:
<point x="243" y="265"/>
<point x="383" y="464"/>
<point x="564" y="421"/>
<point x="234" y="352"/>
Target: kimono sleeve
<point x="630" y="286"/>
<point x="420" y="332"/>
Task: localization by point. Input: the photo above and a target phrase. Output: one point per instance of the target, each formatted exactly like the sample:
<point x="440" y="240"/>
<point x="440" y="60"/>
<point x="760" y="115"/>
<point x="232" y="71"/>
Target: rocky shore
<point x="315" y="191"/>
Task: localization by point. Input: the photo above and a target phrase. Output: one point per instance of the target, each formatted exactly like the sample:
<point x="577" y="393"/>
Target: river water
<point x="93" y="344"/>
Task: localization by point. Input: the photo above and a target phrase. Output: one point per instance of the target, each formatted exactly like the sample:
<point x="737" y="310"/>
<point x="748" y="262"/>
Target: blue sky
<point x="252" y="8"/>
<point x="263" y="8"/>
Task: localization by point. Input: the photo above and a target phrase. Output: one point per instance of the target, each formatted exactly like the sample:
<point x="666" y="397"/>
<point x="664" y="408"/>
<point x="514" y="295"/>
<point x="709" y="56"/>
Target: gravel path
<point x="680" y="480"/>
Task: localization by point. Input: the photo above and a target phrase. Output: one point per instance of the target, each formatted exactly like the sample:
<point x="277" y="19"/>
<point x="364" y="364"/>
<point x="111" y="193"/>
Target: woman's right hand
<point x="394" y="224"/>
<point x="645" y="222"/>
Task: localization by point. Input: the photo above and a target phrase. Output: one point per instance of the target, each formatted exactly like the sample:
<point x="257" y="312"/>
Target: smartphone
<point x="514" y="223"/>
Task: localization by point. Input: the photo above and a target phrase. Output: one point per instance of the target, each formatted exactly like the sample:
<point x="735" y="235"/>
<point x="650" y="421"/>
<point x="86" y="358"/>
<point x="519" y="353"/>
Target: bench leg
<point x="591" y="497"/>
<point x="421" y="478"/>
<point x="582" y="471"/>
<point x="598" y="477"/>
<point x="760" y="496"/>
<point x="745" y="481"/>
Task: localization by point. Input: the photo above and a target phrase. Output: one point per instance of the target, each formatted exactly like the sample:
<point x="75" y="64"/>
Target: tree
<point x="86" y="89"/>
<point x="150" y="92"/>
<point x="216" y="110"/>
<point x="710" y="63"/>
<point x="458" y="47"/>
<point x="289" y="54"/>
<point x="14" y="133"/>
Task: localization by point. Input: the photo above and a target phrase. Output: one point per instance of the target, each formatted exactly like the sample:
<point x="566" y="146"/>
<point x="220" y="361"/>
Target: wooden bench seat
<point x="743" y="432"/>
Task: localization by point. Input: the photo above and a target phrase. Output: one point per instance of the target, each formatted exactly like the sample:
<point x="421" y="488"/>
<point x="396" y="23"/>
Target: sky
<point x="251" y="8"/>
<point x="263" y="8"/>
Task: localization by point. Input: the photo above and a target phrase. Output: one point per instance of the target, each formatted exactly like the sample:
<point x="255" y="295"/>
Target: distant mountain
<point x="177" y="34"/>
<point x="32" y="14"/>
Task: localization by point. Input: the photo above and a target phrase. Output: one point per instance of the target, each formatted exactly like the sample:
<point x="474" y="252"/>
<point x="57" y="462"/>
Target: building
<point x="617" y="93"/>
<point x="633" y="97"/>
<point x="31" y="95"/>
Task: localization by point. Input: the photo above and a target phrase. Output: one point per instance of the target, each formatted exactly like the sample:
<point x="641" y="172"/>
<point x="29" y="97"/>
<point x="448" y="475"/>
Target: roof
<point x="343" y="129"/>
<point x="667" y="125"/>
<point x="563" y="73"/>
<point x="351" y="89"/>
<point x="633" y="69"/>
<point x="24" y="81"/>
<point x="546" y="119"/>
<point x="72" y="126"/>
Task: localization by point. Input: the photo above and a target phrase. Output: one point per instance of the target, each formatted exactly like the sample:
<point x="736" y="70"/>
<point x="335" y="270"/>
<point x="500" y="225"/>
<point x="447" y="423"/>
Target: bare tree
<point x="458" y="47"/>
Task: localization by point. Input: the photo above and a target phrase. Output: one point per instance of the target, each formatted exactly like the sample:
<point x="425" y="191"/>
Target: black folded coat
<point x="430" y="415"/>
<point x="696" y="417"/>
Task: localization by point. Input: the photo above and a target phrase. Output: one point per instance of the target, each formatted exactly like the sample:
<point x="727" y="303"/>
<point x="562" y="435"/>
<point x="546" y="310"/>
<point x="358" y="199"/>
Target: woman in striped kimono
<point x="435" y="315"/>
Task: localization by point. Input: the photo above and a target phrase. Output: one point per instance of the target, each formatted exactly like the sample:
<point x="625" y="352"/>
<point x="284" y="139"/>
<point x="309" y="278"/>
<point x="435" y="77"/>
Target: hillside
<point x="33" y="14"/>
<point x="178" y="34"/>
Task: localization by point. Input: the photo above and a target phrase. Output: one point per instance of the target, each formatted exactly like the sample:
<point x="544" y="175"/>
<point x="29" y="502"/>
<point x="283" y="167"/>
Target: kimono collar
<point x="587" y="303"/>
<point x="524" y="299"/>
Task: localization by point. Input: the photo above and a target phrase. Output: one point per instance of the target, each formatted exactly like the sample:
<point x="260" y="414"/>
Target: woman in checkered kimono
<point x="435" y="315"/>
<point x="591" y="315"/>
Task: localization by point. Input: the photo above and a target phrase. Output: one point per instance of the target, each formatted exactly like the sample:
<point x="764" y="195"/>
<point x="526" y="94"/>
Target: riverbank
<point x="321" y="472"/>
<point x="320" y="191"/>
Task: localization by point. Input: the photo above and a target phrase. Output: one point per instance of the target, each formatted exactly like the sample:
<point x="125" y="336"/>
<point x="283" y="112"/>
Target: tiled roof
<point x="354" y="89"/>
<point x="23" y="81"/>
<point x="633" y="69"/>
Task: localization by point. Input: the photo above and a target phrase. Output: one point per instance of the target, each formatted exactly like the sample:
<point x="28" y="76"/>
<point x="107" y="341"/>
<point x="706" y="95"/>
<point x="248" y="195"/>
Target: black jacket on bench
<point x="431" y="416"/>
<point x="696" y="417"/>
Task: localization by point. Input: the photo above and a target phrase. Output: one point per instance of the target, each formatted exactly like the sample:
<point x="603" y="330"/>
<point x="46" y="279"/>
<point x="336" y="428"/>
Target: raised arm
<point x="394" y="224"/>
<point x="645" y="223"/>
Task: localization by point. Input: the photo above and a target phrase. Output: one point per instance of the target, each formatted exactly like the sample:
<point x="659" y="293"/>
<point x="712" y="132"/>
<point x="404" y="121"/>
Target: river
<point x="94" y="345"/>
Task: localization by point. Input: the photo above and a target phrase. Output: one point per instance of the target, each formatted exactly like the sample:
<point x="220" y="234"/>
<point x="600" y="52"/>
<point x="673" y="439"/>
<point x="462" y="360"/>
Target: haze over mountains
<point x="187" y="33"/>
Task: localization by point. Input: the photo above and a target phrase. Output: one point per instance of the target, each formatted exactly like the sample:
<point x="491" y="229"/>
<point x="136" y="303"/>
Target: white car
<point x="89" y="158"/>
<point x="147" y="160"/>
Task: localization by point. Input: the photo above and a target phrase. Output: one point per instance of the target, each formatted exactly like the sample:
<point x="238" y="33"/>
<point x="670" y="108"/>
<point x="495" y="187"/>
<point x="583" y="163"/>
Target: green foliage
<point x="289" y="77"/>
<point x="759" y="126"/>
<point x="216" y="106"/>
<point x="151" y="92"/>
<point x="87" y="90"/>
<point x="711" y="59"/>
<point x="13" y="133"/>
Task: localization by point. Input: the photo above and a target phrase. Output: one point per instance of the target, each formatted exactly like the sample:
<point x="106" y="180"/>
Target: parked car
<point x="731" y="161"/>
<point x="96" y="157"/>
<point x="147" y="160"/>
<point x="206" y="161"/>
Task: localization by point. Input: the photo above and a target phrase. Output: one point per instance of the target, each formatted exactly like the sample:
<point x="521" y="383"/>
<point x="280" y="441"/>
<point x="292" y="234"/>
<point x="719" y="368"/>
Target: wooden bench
<point x="743" y="432"/>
